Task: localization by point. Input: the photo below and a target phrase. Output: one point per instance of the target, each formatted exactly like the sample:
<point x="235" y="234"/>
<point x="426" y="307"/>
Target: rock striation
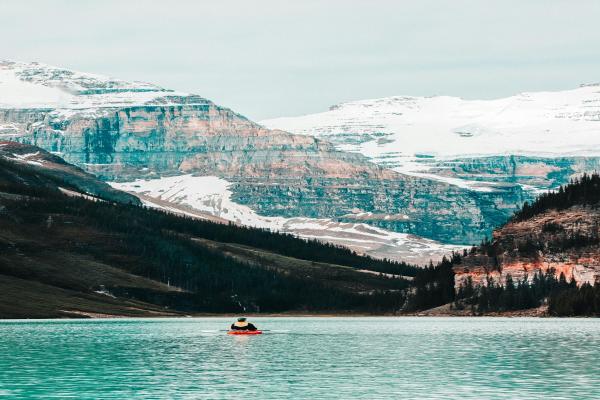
<point x="564" y="241"/>
<point x="537" y="141"/>
<point x="123" y="131"/>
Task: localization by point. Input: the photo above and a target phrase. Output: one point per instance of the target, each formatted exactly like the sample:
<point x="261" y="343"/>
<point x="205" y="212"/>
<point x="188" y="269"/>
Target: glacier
<point x="538" y="140"/>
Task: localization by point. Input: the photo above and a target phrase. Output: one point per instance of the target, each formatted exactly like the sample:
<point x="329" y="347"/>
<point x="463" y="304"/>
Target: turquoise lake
<point x="302" y="358"/>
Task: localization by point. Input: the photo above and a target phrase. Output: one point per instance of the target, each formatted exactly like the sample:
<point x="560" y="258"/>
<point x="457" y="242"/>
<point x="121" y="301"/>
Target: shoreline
<point x="446" y="311"/>
<point x="93" y="316"/>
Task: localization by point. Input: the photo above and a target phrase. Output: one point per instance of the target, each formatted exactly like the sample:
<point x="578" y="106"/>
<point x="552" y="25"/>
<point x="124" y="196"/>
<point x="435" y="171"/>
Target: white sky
<point x="269" y="58"/>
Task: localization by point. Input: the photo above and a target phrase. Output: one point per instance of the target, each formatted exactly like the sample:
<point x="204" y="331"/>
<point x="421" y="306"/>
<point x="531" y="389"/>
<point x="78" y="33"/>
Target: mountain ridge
<point x="152" y="134"/>
<point x="534" y="140"/>
<point x="390" y="116"/>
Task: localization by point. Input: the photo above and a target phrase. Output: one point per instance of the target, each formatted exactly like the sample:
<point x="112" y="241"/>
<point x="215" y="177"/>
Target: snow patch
<point x="212" y="195"/>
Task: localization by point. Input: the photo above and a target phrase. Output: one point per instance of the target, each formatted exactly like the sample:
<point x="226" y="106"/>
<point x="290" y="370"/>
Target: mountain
<point x="536" y="141"/>
<point x="71" y="246"/>
<point x="546" y="259"/>
<point x="210" y="197"/>
<point x="125" y="132"/>
<point x="401" y="128"/>
<point x="549" y="252"/>
<point x="559" y="232"/>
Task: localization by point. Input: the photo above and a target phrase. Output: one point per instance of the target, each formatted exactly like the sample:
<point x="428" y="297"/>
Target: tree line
<point x="434" y="286"/>
<point x="156" y="245"/>
<point x="584" y="190"/>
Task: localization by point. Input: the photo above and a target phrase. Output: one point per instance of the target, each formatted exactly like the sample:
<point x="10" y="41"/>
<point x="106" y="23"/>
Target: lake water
<point x="302" y="358"/>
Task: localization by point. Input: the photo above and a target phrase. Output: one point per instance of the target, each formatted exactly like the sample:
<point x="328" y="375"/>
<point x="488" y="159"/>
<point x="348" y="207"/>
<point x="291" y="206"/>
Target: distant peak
<point x="74" y="81"/>
<point x="35" y="84"/>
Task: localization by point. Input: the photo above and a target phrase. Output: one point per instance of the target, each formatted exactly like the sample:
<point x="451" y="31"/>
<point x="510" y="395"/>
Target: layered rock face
<point x="209" y="197"/>
<point x="564" y="241"/>
<point x="122" y="131"/>
<point x="430" y="209"/>
<point x="135" y="141"/>
<point x="533" y="173"/>
<point x="536" y="141"/>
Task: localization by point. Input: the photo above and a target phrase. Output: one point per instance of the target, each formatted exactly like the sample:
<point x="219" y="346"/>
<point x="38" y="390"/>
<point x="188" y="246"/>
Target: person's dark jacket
<point x="243" y="327"/>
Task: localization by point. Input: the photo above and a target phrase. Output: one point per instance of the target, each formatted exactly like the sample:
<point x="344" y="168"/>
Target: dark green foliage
<point x="521" y="295"/>
<point x="57" y="173"/>
<point x="564" y="297"/>
<point x="581" y="191"/>
<point x="582" y="301"/>
<point x="433" y="286"/>
<point x="281" y="243"/>
<point x="530" y="246"/>
<point x="159" y="246"/>
<point x="465" y="291"/>
<point x="552" y="227"/>
<point x="285" y="244"/>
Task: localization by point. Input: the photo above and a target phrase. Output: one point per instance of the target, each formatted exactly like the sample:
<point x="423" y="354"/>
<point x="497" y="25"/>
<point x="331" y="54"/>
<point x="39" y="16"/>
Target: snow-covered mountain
<point x="538" y="139"/>
<point x="138" y="132"/>
<point x="36" y="85"/>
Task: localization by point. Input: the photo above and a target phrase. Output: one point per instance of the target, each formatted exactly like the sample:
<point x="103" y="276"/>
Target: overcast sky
<point x="280" y="58"/>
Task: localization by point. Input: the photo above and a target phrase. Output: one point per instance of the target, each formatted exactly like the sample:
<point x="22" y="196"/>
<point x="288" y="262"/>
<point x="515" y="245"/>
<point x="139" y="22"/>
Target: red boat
<point x="240" y="332"/>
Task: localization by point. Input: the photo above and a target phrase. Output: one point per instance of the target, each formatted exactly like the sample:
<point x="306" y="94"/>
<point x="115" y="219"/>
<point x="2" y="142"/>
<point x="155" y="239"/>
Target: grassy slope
<point x="57" y="260"/>
<point x="46" y="272"/>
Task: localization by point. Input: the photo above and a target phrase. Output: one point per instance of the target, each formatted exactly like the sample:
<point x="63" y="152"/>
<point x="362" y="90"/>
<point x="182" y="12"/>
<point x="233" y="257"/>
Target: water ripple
<point x="305" y="358"/>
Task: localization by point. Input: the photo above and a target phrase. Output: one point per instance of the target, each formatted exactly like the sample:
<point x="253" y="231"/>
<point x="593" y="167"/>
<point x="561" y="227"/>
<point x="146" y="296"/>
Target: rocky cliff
<point x="560" y="232"/>
<point x="122" y="131"/>
<point x="536" y="141"/>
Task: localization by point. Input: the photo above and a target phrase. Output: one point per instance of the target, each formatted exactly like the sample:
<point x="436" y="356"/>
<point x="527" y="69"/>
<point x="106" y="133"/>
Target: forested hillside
<point x="65" y="252"/>
<point x="581" y="191"/>
<point x="547" y="255"/>
<point x="72" y="246"/>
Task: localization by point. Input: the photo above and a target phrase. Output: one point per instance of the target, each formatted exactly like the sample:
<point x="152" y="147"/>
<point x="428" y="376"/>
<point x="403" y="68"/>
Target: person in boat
<point x="242" y="325"/>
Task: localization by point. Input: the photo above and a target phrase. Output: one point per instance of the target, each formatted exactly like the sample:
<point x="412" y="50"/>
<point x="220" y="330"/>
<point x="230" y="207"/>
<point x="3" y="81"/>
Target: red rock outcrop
<point x="563" y="241"/>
